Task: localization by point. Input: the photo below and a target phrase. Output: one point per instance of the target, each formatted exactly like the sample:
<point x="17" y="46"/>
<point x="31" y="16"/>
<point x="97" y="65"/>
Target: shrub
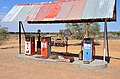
<point x="3" y="33"/>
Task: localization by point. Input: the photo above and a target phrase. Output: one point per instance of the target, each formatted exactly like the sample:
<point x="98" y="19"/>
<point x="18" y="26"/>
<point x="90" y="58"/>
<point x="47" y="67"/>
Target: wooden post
<point x="66" y="44"/>
<point x="19" y="37"/>
<point x="86" y="30"/>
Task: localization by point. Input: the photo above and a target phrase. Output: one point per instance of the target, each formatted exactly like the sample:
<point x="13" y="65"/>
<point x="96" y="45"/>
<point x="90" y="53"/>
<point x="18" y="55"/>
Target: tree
<point x="94" y="29"/>
<point x="78" y="29"/>
<point x="61" y="31"/>
<point x="118" y="33"/>
<point x="3" y="33"/>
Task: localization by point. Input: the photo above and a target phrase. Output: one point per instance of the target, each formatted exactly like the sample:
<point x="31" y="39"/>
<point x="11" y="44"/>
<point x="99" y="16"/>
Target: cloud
<point x="4" y="7"/>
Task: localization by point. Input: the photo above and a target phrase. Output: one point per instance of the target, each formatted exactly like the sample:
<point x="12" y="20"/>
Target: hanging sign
<point x="67" y="33"/>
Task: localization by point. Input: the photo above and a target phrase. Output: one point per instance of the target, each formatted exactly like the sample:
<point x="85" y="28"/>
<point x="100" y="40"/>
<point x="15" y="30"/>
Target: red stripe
<point x="54" y="9"/>
<point x="42" y="13"/>
<point x="77" y="10"/>
<point x="22" y="4"/>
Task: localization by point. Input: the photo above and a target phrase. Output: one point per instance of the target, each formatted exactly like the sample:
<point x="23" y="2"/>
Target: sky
<point x="6" y="5"/>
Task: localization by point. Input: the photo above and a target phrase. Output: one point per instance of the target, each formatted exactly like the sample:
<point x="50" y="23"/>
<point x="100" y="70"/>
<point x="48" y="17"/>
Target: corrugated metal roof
<point x="53" y="12"/>
<point x="33" y="12"/>
<point x="66" y="10"/>
<point x="98" y="9"/>
<point x="77" y="9"/>
<point x="12" y="13"/>
<point x="23" y="13"/>
<point x="42" y="13"/>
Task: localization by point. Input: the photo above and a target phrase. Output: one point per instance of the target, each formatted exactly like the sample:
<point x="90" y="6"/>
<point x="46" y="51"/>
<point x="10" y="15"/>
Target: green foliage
<point x="118" y="33"/>
<point x="61" y="31"/>
<point x="3" y="33"/>
<point x="94" y="29"/>
<point x="115" y="33"/>
<point x="78" y="29"/>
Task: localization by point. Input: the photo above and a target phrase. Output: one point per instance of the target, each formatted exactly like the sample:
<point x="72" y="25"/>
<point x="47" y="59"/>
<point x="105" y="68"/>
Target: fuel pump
<point x="45" y="46"/>
<point x="88" y="49"/>
<point x="29" y="45"/>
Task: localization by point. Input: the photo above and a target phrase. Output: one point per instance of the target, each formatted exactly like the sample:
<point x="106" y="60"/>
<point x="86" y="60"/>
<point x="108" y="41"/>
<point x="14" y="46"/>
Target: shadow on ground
<point x="115" y="58"/>
<point x="77" y="55"/>
<point x="79" y="44"/>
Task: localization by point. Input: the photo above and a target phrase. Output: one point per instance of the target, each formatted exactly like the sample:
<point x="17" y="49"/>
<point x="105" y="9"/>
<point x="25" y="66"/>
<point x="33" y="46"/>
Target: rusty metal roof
<point x="63" y="11"/>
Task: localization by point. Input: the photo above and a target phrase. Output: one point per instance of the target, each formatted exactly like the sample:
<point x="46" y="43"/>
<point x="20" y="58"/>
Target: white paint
<point x="27" y="47"/>
<point x="104" y="54"/>
<point x="16" y="11"/>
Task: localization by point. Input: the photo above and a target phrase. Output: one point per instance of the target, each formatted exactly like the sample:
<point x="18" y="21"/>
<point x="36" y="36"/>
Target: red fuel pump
<point x="29" y="45"/>
<point x="45" y="46"/>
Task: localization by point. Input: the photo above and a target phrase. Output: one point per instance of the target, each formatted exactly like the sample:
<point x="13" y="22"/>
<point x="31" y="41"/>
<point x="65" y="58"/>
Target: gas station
<point x="64" y="11"/>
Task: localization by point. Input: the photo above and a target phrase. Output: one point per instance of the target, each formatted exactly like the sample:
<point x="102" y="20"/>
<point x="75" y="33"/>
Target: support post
<point x="86" y="30"/>
<point x="106" y="49"/>
<point x="66" y="44"/>
<point x="108" y="55"/>
<point x="19" y="37"/>
<point x="23" y="28"/>
<point x="107" y="46"/>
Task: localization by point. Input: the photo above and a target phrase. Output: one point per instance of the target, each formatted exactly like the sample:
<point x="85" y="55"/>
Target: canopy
<point x="64" y="11"/>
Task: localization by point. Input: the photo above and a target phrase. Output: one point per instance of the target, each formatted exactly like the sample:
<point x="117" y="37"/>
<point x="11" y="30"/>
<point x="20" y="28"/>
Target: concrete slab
<point x="96" y="64"/>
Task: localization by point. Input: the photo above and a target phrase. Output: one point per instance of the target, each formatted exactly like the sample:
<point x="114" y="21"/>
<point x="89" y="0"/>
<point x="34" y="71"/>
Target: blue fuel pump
<point x="88" y="49"/>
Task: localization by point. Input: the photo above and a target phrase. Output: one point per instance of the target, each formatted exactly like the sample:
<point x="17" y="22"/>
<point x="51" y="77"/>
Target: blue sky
<point x="6" y="5"/>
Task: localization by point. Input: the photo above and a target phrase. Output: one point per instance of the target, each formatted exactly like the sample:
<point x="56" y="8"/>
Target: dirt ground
<point x="15" y="68"/>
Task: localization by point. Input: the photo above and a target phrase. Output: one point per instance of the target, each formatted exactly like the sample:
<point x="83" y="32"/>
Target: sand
<point x="15" y="68"/>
